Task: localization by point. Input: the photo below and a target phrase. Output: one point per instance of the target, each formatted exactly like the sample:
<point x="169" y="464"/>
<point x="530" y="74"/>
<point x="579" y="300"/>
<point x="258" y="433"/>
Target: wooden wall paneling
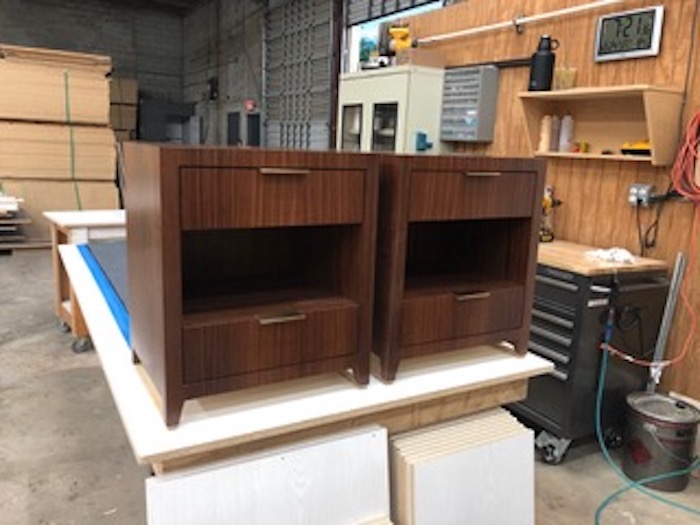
<point x="693" y="93"/>
<point x="676" y="45"/>
<point x="683" y="378"/>
<point x="569" y="190"/>
<point x="594" y="194"/>
<point x="590" y="174"/>
<point x="611" y="185"/>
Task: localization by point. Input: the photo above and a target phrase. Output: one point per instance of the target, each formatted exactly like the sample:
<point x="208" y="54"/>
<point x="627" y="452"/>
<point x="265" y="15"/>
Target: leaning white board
<point x="340" y="479"/>
<point x="478" y="469"/>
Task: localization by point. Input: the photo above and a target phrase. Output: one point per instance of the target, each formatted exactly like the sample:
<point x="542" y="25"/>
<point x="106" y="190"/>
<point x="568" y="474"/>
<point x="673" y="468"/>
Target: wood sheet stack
<point x="123" y="104"/>
<point x="11" y="223"/>
<point x="57" y="151"/>
<point x="477" y="469"/>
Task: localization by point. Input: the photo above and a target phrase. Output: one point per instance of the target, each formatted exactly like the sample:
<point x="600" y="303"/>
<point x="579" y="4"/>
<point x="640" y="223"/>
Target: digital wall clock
<point x="629" y="34"/>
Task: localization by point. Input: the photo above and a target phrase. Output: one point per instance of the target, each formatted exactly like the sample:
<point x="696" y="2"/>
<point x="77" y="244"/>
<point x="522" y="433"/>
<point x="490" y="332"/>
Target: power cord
<point x="647" y="238"/>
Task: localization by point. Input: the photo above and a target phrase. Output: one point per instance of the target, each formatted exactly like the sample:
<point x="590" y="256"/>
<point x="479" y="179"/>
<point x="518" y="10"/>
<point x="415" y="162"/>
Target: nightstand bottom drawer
<point x="270" y="339"/>
<point x="460" y="313"/>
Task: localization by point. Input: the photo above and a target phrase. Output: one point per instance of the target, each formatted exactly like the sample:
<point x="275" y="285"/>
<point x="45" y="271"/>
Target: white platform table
<point x="76" y="227"/>
<point x="426" y="390"/>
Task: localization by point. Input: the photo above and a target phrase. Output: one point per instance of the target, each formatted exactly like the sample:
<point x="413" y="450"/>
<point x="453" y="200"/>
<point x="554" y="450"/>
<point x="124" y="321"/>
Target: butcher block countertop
<point x="572" y="257"/>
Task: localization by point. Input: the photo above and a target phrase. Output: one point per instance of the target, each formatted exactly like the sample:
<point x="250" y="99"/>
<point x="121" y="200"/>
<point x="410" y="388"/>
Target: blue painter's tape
<point x="116" y="305"/>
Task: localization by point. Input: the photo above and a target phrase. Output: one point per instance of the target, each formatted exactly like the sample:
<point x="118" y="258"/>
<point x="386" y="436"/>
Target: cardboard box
<point x="38" y="93"/>
<point x="41" y="195"/>
<point x="123" y="135"/>
<point x="123" y="91"/>
<point x="122" y="117"/>
<point x="43" y="151"/>
<point x="419" y="57"/>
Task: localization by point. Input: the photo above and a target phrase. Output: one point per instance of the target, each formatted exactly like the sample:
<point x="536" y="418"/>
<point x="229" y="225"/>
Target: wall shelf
<point x="592" y="156"/>
<point x="607" y="117"/>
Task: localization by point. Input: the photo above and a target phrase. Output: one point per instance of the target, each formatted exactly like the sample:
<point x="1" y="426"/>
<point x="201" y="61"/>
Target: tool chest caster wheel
<point x="551" y="447"/>
<point x="612" y="438"/>
<point x="551" y="455"/>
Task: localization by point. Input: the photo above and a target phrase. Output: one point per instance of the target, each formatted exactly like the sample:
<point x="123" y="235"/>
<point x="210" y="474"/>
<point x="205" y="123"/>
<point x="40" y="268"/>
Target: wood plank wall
<point x="594" y="192"/>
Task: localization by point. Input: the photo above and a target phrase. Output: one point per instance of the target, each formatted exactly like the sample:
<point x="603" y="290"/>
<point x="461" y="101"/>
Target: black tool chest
<point x="568" y="322"/>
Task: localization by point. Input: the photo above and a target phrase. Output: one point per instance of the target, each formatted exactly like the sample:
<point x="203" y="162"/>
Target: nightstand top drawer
<point x="257" y="197"/>
<point x="470" y="194"/>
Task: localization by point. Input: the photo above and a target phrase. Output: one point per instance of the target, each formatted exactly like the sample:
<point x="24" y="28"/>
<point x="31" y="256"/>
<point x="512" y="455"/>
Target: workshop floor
<point x="64" y="458"/>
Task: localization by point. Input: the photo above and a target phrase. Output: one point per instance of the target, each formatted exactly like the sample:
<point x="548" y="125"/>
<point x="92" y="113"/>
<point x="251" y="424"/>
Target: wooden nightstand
<point x="248" y="267"/>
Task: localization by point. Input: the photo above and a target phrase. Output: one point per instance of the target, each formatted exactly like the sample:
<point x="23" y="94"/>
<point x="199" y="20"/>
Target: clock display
<point x="630" y="34"/>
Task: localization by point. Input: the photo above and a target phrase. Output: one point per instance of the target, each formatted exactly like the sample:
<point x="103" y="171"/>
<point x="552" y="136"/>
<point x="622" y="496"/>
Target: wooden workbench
<point x="427" y="390"/>
<point x="573" y="257"/>
<point x="75" y="227"/>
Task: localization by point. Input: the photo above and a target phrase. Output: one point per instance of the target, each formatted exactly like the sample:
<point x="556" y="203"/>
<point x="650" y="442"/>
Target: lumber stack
<point x="57" y="151"/>
<point x="123" y="104"/>
<point x="11" y="223"/>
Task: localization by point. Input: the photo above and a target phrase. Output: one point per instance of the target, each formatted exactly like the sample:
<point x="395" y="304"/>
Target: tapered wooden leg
<point x="361" y="371"/>
<point x="173" y="411"/>
<point x="390" y="366"/>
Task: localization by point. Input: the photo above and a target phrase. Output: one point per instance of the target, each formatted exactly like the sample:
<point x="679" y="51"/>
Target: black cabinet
<point x="568" y="322"/>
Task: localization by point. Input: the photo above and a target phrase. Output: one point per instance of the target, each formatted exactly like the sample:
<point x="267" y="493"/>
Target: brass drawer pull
<point x="471" y="296"/>
<point x="279" y="318"/>
<point x="483" y="173"/>
<point x="283" y="171"/>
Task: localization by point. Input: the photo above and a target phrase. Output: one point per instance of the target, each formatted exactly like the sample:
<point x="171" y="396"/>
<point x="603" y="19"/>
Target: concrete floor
<point x="64" y="458"/>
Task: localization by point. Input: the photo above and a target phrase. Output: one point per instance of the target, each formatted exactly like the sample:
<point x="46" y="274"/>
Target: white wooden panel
<point x="342" y="479"/>
<point x="463" y="471"/>
<point x="87" y="218"/>
<point x="490" y="484"/>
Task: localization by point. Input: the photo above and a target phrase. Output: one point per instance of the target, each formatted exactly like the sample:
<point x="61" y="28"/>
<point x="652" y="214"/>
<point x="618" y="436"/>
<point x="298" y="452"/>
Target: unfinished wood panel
<point x="59" y="58"/>
<point x="44" y="195"/>
<point x="50" y="151"/>
<point x="39" y="93"/>
<point x="594" y="193"/>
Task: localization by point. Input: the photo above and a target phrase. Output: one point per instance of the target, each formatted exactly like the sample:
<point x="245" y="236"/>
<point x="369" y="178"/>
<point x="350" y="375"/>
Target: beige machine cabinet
<point x="384" y="109"/>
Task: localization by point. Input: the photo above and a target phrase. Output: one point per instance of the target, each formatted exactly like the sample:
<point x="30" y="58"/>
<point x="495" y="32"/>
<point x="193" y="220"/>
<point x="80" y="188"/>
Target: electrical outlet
<point x="640" y="194"/>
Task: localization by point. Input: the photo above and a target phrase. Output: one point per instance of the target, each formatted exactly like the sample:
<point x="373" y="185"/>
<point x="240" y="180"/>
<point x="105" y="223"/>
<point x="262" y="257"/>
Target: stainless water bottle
<point x="542" y="64"/>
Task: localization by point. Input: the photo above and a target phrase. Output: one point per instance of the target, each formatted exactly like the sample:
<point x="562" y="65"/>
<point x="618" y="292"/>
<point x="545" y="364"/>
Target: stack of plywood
<point x="123" y="103"/>
<point x="11" y="223"/>
<point x="56" y="149"/>
<point x="478" y="469"/>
